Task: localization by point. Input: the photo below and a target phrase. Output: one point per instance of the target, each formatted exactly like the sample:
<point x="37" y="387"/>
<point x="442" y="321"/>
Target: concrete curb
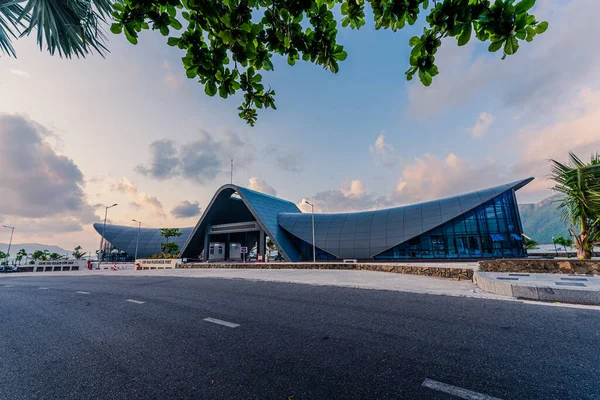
<point x="438" y="271"/>
<point x="532" y="292"/>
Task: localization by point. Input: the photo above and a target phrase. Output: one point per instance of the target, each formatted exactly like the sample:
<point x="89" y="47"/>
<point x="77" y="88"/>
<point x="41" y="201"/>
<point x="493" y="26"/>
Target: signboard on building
<point x="157" y="263"/>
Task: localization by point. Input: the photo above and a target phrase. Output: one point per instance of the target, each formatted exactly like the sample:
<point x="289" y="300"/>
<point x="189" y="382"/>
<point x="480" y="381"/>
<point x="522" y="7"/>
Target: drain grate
<point x="507" y="279"/>
<point x="570" y="284"/>
<point x="574" y="279"/>
<point x="518" y="274"/>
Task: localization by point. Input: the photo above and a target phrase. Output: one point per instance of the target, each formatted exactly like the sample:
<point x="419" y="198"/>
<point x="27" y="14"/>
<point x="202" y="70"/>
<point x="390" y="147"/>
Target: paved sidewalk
<point x="345" y="278"/>
<point x="578" y="289"/>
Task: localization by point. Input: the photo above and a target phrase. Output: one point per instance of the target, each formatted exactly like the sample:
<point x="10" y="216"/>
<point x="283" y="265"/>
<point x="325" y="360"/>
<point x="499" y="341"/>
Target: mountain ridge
<point x="541" y="221"/>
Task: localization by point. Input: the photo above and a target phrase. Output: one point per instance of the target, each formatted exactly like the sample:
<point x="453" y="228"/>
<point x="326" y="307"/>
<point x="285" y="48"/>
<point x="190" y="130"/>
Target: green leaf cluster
<point x="226" y="43"/>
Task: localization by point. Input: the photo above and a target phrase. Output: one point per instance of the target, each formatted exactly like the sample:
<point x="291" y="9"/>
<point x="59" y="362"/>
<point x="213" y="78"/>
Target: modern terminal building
<point x="480" y="224"/>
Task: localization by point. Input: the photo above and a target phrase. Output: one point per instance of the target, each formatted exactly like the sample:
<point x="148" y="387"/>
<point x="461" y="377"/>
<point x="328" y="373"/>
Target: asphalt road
<point x="293" y="342"/>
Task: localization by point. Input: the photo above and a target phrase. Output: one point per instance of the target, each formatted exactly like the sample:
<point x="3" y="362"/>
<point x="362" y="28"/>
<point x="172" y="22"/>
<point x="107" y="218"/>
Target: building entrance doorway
<point x="224" y="242"/>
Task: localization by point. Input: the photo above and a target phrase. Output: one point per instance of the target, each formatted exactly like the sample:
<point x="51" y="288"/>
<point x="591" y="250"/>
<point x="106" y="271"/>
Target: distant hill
<point x="541" y="221"/>
<point x="31" y="247"/>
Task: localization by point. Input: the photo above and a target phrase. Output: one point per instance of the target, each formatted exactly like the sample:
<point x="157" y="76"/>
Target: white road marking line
<point x="135" y="301"/>
<point x="9" y="285"/>
<point x="220" y="322"/>
<point x="43" y="288"/>
<point x="83" y="292"/>
<point x="456" y="391"/>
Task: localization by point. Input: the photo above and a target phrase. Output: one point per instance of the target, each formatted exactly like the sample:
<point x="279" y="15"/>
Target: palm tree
<point x="579" y="205"/>
<point x="564" y="242"/>
<point x="78" y="254"/>
<point x="22" y="253"/>
<point x="530" y="244"/>
<point x="71" y="27"/>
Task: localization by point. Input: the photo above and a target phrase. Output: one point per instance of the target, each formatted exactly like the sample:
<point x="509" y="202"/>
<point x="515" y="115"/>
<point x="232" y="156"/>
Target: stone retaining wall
<point x="442" y="272"/>
<point x="542" y="266"/>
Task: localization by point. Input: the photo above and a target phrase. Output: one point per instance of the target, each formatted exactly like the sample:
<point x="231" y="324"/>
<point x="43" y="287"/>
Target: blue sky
<point x="363" y="138"/>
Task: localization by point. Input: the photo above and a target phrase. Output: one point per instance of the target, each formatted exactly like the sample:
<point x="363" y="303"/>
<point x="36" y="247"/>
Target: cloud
<point x="53" y="225"/>
<point x="260" y="185"/>
<point x="291" y="159"/>
<point x="530" y="81"/>
<point x="185" y="209"/>
<point x="152" y="203"/>
<point x="123" y="185"/>
<point x="36" y="181"/>
<point x="170" y="79"/>
<point x="431" y="177"/>
<point x="575" y="128"/>
<point x="382" y="152"/>
<point x="139" y="199"/>
<point x="20" y="73"/>
<point x="482" y="124"/>
<point x="351" y="196"/>
<point x="199" y="161"/>
<point x="163" y="160"/>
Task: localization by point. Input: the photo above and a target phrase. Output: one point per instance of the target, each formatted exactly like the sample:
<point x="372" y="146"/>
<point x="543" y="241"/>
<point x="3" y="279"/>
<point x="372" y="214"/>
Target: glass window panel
<point x="459" y="226"/>
<point x="462" y="246"/>
<point x="426" y="246"/>
<point x="474" y="246"/>
<point x="437" y="244"/>
<point x="450" y="247"/>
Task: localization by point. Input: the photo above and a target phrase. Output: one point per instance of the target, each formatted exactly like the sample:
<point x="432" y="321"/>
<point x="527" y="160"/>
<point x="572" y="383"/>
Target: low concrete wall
<point x="442" y="272"/>
<point x="542" y="266"/>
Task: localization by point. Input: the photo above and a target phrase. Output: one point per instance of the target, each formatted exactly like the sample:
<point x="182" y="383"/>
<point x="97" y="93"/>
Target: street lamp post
<point x="137" y="241"/>
<point x="100" y="251"/>
<point x="312" y="208"/>
<point x="12" y="230"/>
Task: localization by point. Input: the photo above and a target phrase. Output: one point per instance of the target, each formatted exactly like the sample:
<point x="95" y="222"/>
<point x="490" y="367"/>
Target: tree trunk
<point x="582" y="241"/>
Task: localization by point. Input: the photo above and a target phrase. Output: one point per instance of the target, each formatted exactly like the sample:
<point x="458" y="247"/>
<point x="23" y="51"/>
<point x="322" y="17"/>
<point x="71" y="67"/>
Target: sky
<point x="130" y="128"/>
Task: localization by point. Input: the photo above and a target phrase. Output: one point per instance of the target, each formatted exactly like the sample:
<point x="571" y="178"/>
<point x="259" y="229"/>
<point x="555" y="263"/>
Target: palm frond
<point x="9" y="25"/>
<point x="71" y="27"/>
<point x="579" y="184"/>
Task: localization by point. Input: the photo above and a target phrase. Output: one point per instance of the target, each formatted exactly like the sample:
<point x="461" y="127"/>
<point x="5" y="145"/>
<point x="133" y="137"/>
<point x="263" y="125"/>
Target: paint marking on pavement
<point x="135" y="301"/>
<point x="220" y="322"/>
<point x="83" y="292"/>
<point x="456" y="391"/>
<point x="43" y="288"/>
<point x="9" y="285"/>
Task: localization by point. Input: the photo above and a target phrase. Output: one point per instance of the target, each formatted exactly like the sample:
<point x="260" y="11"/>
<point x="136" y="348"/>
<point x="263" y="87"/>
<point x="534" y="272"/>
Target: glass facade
<point x="306" y="250"/>
<point x="490" y="230"/>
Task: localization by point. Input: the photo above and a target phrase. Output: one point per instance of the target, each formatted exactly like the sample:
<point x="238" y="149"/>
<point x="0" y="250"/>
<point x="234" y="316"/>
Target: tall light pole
<point x="312" y="210"/>
<point x="12" y="228"/>
<point x="103" y="230"/>
<point x="137" y="241"/>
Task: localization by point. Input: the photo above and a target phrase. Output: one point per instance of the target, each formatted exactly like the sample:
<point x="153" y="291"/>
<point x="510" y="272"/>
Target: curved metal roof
<point x="366" y="234"/>
<point x="124" y="238"/>
<point x="261" y="207"/>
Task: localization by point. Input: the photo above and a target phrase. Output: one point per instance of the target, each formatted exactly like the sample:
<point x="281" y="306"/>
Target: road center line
<point x="43" y="288"/>
<point x="456" y="391"/>
<point x="135" y="301"/>
<point x="9" y="285"/>
<point x="220" y="322"/>
<point x="83" y="292"/>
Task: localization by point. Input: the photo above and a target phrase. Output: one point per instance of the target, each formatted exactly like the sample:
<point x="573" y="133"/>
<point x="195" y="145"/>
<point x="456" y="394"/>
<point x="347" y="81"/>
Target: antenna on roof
<point x="231" y="181"/>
